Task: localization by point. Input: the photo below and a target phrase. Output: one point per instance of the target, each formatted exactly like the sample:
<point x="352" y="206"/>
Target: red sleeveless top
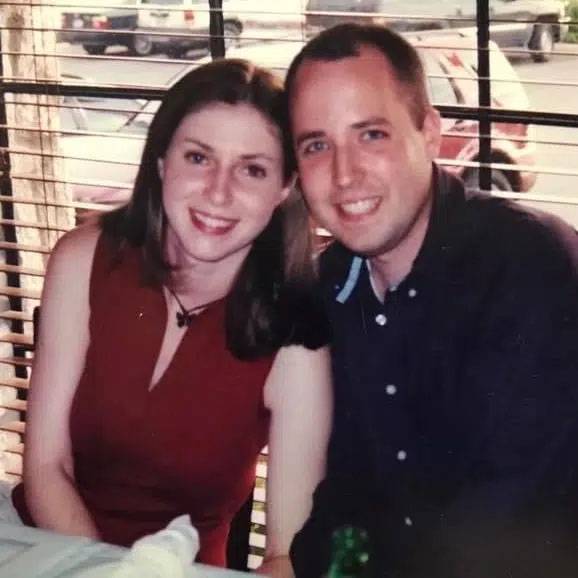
<point x="190" y="444"/>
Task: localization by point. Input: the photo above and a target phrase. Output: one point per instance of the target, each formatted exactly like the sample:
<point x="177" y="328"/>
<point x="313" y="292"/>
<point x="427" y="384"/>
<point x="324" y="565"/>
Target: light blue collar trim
<point x="351" y="282"/>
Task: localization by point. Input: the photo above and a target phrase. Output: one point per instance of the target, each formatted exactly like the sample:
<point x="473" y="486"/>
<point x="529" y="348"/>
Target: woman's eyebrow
<point x="197" y="142"/>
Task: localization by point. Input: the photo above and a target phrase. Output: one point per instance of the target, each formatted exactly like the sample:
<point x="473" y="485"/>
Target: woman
<point x="180" y="336"/>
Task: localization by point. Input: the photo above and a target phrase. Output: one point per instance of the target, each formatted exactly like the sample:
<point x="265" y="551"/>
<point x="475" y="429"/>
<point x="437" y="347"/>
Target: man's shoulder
<point x="512" y="230"/>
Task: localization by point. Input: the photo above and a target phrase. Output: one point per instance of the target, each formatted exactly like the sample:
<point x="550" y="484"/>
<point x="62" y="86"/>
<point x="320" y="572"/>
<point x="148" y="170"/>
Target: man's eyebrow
<point x="375" y="120"/>
<point x="308" y="136"/>
<point x="313" y="134"/>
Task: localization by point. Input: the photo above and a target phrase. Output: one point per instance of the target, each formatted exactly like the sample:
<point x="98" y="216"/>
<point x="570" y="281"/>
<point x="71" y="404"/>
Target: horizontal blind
<point x="79" y="83"/>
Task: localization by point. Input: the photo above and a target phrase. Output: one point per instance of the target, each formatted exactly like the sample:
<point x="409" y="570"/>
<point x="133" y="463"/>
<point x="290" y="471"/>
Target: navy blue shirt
<point x="455" y="437"/>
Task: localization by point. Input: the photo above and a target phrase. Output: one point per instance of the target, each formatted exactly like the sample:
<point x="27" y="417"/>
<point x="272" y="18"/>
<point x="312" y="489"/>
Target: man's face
<point x="364" y="165"/>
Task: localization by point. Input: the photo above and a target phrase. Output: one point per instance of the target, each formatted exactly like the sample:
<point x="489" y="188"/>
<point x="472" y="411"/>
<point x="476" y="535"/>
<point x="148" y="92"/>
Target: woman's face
<point x="222" y="178"/>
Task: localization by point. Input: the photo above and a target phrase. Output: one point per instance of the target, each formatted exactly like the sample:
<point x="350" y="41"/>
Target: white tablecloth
<point x="31" y="553"/>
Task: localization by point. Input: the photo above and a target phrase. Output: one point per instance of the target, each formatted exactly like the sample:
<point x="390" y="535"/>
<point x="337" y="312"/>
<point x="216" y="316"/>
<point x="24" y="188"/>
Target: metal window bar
<point x="484" y="114"/>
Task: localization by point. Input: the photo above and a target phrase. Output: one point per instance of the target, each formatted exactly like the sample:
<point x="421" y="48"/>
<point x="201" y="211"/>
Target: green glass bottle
<point x="350" y="555"/>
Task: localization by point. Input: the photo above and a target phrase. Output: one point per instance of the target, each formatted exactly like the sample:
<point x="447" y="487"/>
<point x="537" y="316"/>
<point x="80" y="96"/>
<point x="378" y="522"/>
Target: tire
<point x="142" y="45"/>
<point x="94" y="49"/>
<point x="175" y="53"/>
<point x="499" y="180"/>
<point x="542" y="43"/>
<point x="232" y="31"/>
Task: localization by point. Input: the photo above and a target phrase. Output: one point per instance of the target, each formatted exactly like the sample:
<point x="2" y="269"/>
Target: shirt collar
<point x="448" y="192"/>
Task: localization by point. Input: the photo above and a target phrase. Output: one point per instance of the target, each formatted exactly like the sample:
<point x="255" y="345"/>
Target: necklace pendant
<point x="183" y="319"/>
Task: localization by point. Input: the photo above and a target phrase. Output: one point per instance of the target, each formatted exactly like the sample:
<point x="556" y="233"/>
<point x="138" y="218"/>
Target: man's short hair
<point x="346" y="40"/>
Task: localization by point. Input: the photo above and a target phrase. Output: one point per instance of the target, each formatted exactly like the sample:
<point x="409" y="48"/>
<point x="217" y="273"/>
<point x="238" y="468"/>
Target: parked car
<point x="96" y="28"/>
<point x="450" y="63"/>
<point x="146" y="26"/>
<point x="534" y="25"/>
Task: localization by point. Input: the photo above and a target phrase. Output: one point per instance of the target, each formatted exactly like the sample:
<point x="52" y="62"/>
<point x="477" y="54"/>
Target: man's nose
<point x="344" y="166"/>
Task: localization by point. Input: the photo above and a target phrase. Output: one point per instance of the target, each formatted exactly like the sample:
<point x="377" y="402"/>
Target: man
<point x="455" y="321"/>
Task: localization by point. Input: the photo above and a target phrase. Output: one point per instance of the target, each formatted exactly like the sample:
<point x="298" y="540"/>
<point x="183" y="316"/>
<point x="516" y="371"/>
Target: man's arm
<point x="517" y="509"/>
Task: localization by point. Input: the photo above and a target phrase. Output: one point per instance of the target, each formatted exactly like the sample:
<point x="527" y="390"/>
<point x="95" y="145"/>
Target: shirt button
<point x="381" y="319"/>
<point x="412" y="293"/>
<point x="401" y="455"/>
<point x="391" y="389"/>
<point x="408" y="521"/>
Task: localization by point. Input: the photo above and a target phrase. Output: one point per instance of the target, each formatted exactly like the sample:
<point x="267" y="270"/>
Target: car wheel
<point x="232" y="32"/>
<point x="542" y="43"/>
<point x="94" y="49"/>
<point x="175" y="53"/>
<point x="142" y="45"/>
<point x="499" y="180"/>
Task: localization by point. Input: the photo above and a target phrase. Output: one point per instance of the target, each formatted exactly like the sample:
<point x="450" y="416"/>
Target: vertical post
<point x="484" y="91"/>
<point x="217" y="29"/>
<point x="28" y="43"/>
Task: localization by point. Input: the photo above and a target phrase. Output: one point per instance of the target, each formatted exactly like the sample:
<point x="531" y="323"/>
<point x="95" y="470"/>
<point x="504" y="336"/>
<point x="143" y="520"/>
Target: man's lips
<point x="356" y="210"/>
<point x="210" y="223"/>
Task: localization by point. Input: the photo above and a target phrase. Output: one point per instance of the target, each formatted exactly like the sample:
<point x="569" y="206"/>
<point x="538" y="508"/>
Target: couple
<point x="188" y="330"/>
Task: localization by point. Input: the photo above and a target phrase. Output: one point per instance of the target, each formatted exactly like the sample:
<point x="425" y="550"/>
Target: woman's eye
<point x="196" y="157"/>
<point x="256" y="171"/>
<point x="314" y="147"/>
<point x="374" y="134"/>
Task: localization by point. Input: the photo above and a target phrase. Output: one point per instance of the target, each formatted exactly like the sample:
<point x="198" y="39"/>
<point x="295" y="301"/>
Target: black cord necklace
<point x="186" y="316"/>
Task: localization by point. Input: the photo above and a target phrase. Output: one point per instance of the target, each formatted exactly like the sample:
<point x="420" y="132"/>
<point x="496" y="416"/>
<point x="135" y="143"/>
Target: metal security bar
<point x="92" y="78"/>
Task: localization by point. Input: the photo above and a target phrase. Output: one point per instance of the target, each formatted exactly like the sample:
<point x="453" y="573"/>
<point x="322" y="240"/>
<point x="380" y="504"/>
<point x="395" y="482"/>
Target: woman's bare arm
<point x="51" y="495"/>
<point x="298" y="393"/>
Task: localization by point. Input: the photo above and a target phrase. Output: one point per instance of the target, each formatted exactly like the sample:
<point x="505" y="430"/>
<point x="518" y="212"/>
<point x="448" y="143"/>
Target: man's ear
<point x="432" y="131"/>
<point x="161" y="168"/>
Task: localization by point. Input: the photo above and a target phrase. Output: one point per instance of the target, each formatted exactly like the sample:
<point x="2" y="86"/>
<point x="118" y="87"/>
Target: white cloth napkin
<point x="167" y="554"/>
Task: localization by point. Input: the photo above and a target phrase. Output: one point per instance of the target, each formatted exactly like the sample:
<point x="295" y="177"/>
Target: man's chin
<point x="360" y="247"/>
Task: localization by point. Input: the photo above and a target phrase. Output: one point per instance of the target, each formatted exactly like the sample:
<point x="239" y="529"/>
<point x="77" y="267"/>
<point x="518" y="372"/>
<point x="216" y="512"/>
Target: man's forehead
<point x="369" y="66"/>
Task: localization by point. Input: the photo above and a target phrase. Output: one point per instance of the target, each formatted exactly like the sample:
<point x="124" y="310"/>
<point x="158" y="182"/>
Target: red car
<point x="451" y="65"/>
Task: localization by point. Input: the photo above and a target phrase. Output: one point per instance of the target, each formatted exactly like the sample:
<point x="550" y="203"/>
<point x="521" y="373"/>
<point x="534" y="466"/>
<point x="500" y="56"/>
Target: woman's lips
<point x="210" y="224"/>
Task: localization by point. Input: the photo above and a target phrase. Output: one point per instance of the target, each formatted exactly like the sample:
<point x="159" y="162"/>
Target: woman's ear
<point x="289" y="187"/>
<point x="161" y="168"/>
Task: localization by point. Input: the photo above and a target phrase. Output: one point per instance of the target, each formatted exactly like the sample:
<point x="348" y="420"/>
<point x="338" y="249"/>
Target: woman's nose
<point x="218" y="188"/>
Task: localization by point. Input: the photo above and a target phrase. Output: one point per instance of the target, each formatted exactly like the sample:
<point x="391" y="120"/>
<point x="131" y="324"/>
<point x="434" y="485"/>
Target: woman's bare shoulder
<point x="76" y="247"/>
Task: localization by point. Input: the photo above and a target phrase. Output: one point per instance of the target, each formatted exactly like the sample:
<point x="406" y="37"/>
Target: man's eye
<point x="196" y="157"/>
<point x="256" y="171"/>
<point x="313" y="147"/>
<point x="374" y="134"/>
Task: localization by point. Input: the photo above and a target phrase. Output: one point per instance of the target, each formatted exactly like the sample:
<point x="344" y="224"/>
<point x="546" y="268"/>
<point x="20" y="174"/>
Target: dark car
<point x="534" y="25"/>
<point x="96" y="28"/>
<point x="147" y="26"/>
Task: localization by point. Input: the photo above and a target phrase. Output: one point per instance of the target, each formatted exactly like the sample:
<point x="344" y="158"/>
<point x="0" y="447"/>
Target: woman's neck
<point x="199" y="282"/>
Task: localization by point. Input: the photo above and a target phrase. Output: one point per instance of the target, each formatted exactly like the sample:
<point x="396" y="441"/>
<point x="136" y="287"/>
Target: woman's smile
<point x="211" y="224"/>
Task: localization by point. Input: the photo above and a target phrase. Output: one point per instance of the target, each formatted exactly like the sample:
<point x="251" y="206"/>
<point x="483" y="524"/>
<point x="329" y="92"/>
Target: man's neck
<point x="390" y="268"/>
